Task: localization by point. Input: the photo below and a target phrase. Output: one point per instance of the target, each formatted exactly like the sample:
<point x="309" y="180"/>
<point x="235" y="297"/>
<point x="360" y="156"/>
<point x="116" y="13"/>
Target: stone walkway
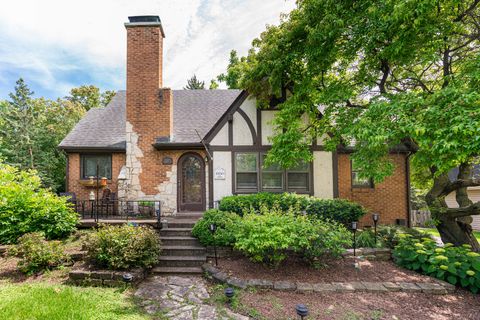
<point x="180" y="298"/>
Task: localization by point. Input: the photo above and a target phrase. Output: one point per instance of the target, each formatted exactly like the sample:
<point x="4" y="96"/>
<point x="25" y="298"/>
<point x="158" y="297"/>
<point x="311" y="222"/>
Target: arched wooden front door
<point x="191" y="183"/>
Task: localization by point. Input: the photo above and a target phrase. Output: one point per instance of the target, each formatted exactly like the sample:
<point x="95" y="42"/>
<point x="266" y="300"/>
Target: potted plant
<point x="146" y="208"/>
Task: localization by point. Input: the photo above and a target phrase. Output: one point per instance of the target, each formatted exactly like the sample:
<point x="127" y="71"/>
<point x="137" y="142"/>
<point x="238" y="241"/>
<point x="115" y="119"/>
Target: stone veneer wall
<point x="388" y="198"/>
<point x="82" y="192"/>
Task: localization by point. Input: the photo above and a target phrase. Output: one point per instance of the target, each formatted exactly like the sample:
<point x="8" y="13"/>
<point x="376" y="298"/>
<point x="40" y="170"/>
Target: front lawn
<point x="50" y="301"/>
<point x="434" y="232"/>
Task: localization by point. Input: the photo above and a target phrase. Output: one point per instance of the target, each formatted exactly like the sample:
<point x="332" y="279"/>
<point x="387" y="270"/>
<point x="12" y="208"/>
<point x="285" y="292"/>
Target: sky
<point x="55" y="45"/>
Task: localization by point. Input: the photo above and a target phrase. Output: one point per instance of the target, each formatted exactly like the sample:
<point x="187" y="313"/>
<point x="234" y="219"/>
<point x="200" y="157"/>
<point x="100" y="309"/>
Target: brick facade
<point x="388" y="198"/>
<point x="82" y="192"/>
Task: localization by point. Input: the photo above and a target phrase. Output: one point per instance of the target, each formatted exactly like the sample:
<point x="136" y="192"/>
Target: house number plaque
<point x="219" y="174"/>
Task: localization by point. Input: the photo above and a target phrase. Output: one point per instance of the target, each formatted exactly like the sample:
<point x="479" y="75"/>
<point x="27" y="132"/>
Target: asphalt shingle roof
<point x="104" y="128"/>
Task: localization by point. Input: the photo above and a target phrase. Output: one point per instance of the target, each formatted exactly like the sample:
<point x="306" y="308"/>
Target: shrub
<point x="36" y="254"/>
<point x="224" y="235"/>
<point x="339" y="210"/>
<point x="366" y="239"/>
<point x="391" y="235"/>
<point x="268" y="237"/>
<point x="457" y="265"/>
<point x="122" y="247"/>
<point x="27" y="207"/>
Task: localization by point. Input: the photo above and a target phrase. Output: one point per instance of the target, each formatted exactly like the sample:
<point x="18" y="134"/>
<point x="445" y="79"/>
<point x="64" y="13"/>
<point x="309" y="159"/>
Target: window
<point x="89" y="166"/>
<point x="246" y="165"/>
<point x="298" y="177"/>
<point x="272" y="177"/>
<point x="357" y="181"/>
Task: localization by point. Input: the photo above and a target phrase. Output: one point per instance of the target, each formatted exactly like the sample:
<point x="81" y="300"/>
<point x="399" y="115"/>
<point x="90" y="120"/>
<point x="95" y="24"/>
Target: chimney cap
<point x="135" y="19"/>
<point x="145" y="21"/>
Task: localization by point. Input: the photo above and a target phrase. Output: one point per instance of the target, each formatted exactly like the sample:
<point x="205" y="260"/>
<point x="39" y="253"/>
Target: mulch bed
<point x="338" y="270"/>
<point x="393" y="305"/>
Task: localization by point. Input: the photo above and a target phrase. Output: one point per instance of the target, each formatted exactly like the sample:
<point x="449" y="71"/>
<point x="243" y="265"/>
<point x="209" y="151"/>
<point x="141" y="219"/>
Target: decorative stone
<point x="304" y="287"/>
<point x="207" y="267"/>
<point x="343" y="287"/>
<point x="391" y="286"/>
<point x="113" y="283"/>
<point x="236" y="282"/>
<point x="448" y="286"/>
<point x="167" y="160"/>
<point x="358" y="286"/>
<point x="260" y="283"/>
<point x="284" y="285"/>
<point x="323" y="287"/>
<point x="78" y="275"/>
<point x="220" y="277"/>
<point x="206" y="312"/>
<point x="374" y="287"/>
<point x="434" y="288"/>
<point x="409" y="287"/>
<point x="101" y="275"/>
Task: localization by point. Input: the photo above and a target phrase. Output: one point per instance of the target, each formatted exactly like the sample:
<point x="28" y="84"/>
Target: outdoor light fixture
<point x="375" y="218"/>
<point x="229" y="293"/>
<point x="127" y="278"/>
<point x="213" y="229"/>
<point x="302" y="310"/>
<point x="354" y="228"/>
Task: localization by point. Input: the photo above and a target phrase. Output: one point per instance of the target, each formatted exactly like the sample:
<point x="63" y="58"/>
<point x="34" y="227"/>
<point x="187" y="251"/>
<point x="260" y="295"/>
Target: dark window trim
<point x="234" y="175"/>
<point x="82" y="157"/>
<point x="370" y="185"/>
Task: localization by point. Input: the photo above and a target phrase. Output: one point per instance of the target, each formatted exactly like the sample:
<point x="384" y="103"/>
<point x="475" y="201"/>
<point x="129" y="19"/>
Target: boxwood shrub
<point x="340" y="210"/>
<point x="123" y="247"/>
<point x="225" y="222"/>
<point x="457" y="265"/>
<point x="25" y="206"/>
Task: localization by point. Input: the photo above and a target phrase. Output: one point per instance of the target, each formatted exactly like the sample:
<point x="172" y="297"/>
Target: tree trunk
<point x="456" y="232"/>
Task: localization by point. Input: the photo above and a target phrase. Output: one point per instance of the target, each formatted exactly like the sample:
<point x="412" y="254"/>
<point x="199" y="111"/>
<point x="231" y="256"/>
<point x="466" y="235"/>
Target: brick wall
<point x="388" y="198"/>
<point x="82" y="192"/>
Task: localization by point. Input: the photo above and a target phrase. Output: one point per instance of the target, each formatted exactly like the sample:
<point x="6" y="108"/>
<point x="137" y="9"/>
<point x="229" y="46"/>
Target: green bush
<point x="340" y="210"/>
<point x="269" y="236"/>
<point x="366" y="239"/>
<point x="457" y="265"/>
<point x="27" y="207"/>
<point x="387" y="236"/>
<point x="122" y="247"/>
<point x="37" y="254"/>
<point x="224" y="235"/>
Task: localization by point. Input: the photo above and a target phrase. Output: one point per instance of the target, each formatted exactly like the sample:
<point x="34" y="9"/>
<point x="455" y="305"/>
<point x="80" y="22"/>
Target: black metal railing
<point x="99" y="210"/>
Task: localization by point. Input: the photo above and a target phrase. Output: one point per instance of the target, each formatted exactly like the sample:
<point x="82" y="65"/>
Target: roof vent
<point x="135" y="19"/>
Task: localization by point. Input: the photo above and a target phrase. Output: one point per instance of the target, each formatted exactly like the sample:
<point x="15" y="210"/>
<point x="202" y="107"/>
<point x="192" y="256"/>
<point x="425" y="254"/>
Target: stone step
<point x="181" y="261"/>
<point x="179" y="241"/>
<point x="183" y="251"/>
<point x="177" y="270"/>
<point x="189" y="215"/>
<point x="181" y="223"/>
<point x="176" y="232"/>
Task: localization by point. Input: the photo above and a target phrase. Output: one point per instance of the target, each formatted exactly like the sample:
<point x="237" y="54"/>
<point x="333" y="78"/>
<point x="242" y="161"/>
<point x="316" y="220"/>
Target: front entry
<point x="191" y="183"/>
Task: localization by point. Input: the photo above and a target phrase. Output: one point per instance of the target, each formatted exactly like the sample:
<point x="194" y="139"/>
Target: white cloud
<point x="50" y="40"/>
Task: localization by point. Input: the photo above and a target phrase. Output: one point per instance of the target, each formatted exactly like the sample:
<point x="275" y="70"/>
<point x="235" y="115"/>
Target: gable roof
<point x="104" y="128"/>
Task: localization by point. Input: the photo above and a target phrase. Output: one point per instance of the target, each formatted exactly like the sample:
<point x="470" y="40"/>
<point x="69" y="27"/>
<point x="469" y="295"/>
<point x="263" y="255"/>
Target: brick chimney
<point x="149" y="107"/>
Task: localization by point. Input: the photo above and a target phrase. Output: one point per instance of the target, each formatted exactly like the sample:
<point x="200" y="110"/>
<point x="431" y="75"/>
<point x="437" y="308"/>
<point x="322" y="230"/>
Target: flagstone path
<point x="180" y="298"/>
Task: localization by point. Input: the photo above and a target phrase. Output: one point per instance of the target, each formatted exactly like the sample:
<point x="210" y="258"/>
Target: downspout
<point x="407" y="169"/>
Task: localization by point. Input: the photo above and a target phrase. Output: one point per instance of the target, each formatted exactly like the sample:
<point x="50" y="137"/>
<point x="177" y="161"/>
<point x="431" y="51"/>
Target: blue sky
<point x="56" y="45"/>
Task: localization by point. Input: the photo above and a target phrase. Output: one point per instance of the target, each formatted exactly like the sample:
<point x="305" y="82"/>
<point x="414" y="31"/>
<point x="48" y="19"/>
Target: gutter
<point x="178" y="146"/>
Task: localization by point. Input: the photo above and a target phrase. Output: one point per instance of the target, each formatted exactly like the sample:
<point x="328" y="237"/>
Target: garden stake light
<point x="229" y="293"/>
<point x="302" y="310"/>
<point x="354" y="228"/>
<point x="375" y="218"/>
<point x="213" y="229"/>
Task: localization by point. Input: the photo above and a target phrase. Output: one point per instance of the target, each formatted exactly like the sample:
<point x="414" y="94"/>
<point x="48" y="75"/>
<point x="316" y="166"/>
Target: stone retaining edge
<point x="439" y="287"/>
<point x="104" y="278"/>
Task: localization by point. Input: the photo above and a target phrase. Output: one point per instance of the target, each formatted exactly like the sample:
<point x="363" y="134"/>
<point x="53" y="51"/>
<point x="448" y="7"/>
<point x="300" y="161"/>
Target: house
<point x="473" y="194"/>
<point x="190" y="148"/>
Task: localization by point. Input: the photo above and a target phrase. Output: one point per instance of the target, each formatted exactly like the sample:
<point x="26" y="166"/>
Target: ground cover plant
<point x="25" y="206"/>
<point x="122" y="247"/>
<point x="457" y="265"/>
<point x="388" y="236"/>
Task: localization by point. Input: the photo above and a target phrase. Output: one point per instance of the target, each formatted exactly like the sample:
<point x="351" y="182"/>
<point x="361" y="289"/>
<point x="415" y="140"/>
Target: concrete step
<point x="177" y="270"/>
<point x="183" y="251"/>
<point x="181" y="261"/>
<point x="176" y="232"/>
<point x="179" y="241"/>
<point x="189" y="215"/>
<point x="181" y="223"/>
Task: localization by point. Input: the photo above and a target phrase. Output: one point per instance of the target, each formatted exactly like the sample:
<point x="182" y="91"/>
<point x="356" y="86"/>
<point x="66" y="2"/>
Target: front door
<point x="191" y="183"/>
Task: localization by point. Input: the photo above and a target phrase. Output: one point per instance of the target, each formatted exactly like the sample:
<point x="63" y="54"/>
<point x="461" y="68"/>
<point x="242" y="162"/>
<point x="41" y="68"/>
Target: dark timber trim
<point x="92" y="150"/>
<point x="210" y="181"/>
<point x="250" y="125"/>
<point x="178" y="146"/>
<point x="259" y="127"/>
<point x="254" y="148"/>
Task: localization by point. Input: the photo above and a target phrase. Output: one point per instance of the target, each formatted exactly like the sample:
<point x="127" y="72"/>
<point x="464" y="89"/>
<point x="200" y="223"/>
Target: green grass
<point x="434" y="232"/>
<point x="47" y="301"/>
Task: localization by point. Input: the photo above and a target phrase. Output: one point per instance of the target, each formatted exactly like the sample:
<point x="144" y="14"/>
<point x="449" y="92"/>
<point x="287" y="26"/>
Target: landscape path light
<point x="375" y="218"/>
<point x="127" y="279"/>
<point x="229" y="293"/>
<point x="354" y="229"/>
<point x="301" y="310"/>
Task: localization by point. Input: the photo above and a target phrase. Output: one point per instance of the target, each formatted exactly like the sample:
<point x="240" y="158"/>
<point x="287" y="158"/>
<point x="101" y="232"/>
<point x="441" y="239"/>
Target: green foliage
<point x="194" y="84"/>
<point x="226" y="223"/>
<point x="366" y="239"/>
<point x="27" y="207"/>
<point x="339" y="210"/>
<point x="269" y="236"/>
<point x="234" y="71"/>
<point x="37" y="254"/>
<point x="213" y="85"/>
<point x="457" y="265"/>
<point x="388" y="236"/>
<point x="123" y="247"/>
<point x="90" y="97"/>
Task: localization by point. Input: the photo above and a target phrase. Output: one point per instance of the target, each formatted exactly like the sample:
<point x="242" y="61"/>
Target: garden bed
<point x="338" y="270"/>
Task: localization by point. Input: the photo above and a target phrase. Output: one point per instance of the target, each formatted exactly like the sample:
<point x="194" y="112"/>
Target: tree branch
<point x="466" y="12"/>
<point x="460" y="183"/>
<point x="386" y="70"/>
<point x="471" y="210"/>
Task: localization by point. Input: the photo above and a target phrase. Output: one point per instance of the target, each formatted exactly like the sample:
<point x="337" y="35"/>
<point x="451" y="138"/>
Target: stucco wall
<point x="267" y="127"/>
<point x="221" y="139"/>
<point x="323" y="175"/>
<point x="222" y="188"/>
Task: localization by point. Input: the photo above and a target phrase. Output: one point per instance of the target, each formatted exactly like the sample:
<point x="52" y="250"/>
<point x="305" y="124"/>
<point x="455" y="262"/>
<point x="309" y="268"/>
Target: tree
<point x="194" y="84"/>
<point x="30" y="131"/>
<point x="89" y="96"/>
<point x="378" y="75"/>
<point x="213" y="84"/>
<point x="234" y="71"/>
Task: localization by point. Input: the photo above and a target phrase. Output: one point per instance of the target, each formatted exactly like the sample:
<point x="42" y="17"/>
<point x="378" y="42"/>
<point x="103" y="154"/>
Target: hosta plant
<point x="457" y="265"/>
